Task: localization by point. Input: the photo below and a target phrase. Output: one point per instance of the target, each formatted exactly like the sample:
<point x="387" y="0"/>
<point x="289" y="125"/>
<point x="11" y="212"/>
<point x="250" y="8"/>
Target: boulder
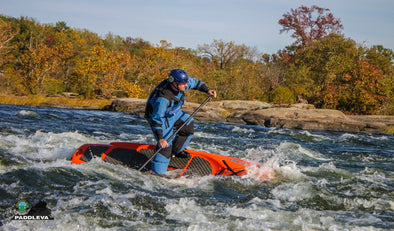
<point x="69" y="94"/>
<point x="208" y="113"/>
<point x="296" y="116"/>
<point x="126" y="104"/>
<point x="305" y="119"/>
<point x="239" y="104"/>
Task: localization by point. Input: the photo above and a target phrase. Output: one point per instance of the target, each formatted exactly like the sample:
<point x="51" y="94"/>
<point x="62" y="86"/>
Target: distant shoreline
<point x="55" y="101"/>
<point x="233" y="114"/>
<point x="295" y="116"/>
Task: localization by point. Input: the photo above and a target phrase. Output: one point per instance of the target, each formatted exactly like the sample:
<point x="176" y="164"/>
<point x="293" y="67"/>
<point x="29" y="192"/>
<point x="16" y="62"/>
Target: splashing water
<point x="307" y="181"/>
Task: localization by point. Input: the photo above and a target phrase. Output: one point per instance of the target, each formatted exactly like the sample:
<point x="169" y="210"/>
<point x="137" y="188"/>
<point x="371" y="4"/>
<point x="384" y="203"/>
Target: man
<point x="164" y="114"/>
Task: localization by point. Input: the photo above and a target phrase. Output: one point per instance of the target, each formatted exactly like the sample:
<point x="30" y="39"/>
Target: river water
<point x="324" y="181"/>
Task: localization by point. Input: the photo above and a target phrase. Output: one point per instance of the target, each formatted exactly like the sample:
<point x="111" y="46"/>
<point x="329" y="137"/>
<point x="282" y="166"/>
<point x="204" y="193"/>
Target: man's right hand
<point x="163" y="143"/>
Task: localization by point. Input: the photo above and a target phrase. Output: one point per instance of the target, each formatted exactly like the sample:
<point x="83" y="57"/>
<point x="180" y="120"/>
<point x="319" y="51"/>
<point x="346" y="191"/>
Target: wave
<point x="27" y="114"/>
<point x="321" y="181"/>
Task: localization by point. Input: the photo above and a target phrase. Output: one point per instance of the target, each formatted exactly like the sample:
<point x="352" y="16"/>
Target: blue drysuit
<point x="164" y="114"/>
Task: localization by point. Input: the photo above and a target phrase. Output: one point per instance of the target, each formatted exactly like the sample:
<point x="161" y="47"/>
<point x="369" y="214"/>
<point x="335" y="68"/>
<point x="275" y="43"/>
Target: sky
<point x="189" y="23"/>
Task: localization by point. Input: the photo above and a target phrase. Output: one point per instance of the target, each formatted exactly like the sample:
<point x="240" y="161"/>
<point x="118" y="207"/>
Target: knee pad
<point x="186" y="130"/>
<point x="166" y="152"/>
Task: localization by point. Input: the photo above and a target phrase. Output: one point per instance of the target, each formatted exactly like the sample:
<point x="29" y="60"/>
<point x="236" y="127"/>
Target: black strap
<point x="231" y="170"/>
<point x="164" y="90"/>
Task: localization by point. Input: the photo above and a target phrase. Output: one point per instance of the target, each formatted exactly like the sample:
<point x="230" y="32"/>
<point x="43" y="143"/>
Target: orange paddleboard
<point x="134" y="155"/>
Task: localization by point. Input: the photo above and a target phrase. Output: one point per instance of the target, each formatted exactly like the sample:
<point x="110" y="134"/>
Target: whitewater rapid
<point x="323" y="181"/>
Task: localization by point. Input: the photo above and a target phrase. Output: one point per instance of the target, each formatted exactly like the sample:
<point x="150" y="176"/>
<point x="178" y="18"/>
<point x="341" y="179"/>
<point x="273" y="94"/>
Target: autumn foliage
<point x="322" y="66"/>
<point x="309" y="24"/>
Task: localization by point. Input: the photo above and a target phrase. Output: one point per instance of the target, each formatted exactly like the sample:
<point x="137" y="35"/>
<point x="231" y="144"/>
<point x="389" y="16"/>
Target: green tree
<point x="223" y="54"/>
<point x="333" y="72"/>
<point x="114" y="42"/>
<point x="383" y="59"/>
<point x="6" y="35"/>
<point x="232" y="69"/>
<point x="316" y="69"/>
<point x="282" y="95"/>
<point x="361" y="90"/>
<point x="325" y="68"/>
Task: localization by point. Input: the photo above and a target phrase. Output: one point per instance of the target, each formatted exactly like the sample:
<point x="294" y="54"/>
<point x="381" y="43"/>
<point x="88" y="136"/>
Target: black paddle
<point x="176" y="132"/>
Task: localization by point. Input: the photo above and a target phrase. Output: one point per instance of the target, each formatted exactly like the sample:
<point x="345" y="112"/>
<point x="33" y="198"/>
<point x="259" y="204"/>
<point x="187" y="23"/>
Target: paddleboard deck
<point x="134" y="155"/>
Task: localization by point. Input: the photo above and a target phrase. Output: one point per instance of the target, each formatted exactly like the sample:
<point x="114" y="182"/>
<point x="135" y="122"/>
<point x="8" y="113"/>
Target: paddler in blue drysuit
<point x="164" y="115"/>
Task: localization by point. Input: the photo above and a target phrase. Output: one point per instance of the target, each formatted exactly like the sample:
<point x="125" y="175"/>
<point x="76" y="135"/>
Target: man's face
<point x="181" y="86"/>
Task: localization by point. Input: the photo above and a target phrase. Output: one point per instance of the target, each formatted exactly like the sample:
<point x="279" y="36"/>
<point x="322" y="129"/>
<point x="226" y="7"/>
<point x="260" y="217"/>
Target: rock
<point x="207" y="113"/>
<point x="119" y="94"/>
<point x="69" y="94"/>
<point x="305" y="119"/>
<point x="303" y="106"/>
<point x="296" y="116"/>
<point x="385" y="119"/>
<point x="59" y="105"/>
<point x="126" y="105"/>
<point x="239" y="104"/>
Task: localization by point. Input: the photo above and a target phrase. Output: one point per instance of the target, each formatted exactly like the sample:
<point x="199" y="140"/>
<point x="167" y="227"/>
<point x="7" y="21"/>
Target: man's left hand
<point x="212" y="93"/>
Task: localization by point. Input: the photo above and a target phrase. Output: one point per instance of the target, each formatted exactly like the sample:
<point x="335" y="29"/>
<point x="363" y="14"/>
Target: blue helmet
<point x="178" y="76"/>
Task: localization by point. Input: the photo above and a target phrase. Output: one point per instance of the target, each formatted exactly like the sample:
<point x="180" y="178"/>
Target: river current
<point x="323" y="181"/>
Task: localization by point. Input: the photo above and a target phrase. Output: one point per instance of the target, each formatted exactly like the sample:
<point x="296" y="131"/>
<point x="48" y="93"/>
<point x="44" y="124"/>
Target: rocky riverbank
<point x="296" y="116"/>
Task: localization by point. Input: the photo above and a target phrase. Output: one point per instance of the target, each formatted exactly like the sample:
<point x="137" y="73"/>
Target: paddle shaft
<point x="176" y="132"/>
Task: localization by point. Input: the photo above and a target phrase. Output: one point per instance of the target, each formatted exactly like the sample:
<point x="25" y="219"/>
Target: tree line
<point x="322" y="66"/>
